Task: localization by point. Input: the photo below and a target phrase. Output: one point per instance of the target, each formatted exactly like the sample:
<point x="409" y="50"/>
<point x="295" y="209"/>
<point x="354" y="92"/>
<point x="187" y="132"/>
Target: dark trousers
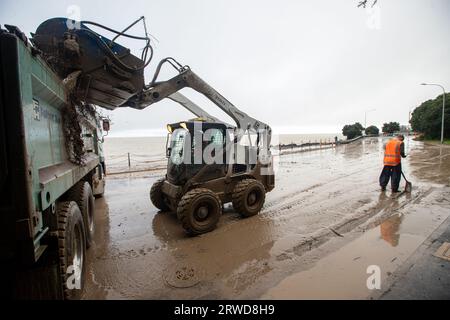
<point x="393" y="173"/>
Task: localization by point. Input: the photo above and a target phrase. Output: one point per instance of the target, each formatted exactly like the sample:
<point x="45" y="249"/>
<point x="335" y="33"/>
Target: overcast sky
<point x="301" y="66"/>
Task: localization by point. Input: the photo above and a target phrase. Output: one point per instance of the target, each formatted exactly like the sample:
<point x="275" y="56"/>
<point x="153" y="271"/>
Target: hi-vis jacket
<point x="393" y="152"/>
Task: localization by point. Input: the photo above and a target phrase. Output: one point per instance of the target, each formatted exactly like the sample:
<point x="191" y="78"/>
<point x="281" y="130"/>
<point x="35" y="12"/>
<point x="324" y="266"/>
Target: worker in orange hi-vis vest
<point x="394" y="151"/>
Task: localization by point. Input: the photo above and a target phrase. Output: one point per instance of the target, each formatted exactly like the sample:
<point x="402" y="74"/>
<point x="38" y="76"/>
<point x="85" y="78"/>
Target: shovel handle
<point x="404" y="177"/>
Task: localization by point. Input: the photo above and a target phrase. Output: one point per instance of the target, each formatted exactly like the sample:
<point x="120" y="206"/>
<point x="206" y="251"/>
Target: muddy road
<point x="321" y="227"/>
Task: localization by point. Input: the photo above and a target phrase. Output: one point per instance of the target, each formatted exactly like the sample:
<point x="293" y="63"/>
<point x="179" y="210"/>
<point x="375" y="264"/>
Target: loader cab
<point x="191" y="146"/>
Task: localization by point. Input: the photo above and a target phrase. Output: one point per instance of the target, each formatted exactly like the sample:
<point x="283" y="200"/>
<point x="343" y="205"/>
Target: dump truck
<point x="47" y="190"/>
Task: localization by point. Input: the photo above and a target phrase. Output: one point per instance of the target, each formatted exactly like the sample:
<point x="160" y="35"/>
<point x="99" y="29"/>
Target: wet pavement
<point x="320" y="229"/>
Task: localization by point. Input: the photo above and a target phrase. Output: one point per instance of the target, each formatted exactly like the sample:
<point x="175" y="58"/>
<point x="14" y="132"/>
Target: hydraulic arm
<point x="187" y="78"/>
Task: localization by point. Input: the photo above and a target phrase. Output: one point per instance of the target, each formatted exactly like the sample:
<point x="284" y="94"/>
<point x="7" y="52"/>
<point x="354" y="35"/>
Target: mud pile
<point x="74" y="114"/>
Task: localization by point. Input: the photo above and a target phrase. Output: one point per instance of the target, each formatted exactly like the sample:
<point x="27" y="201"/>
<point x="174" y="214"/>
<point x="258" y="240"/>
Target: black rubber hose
<point x="114" y="31"/>
<point x="112" y="54"/>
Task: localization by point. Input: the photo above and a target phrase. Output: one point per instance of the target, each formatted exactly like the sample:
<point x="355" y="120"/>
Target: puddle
<point x="343" y="273"/>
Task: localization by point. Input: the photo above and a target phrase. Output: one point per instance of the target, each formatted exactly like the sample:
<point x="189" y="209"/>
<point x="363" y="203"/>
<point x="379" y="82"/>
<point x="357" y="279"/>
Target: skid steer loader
<point x="241" y="170"/>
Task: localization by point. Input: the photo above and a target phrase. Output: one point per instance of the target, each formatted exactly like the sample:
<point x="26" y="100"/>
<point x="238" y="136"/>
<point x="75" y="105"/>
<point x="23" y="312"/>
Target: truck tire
<point x="199" y="210"/>
<point x="72" y="249"/>
<point x="249" y="196"/>
<point x="81" y="193"/>
<point x="157" y="197"/>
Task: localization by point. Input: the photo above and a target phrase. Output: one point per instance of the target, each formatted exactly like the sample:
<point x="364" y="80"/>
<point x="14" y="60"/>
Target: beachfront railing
<point x="131" y="162"/>
<point x="308" y="146"/>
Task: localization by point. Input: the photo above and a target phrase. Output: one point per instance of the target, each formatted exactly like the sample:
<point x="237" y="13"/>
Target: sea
<point x="148" y="153"/>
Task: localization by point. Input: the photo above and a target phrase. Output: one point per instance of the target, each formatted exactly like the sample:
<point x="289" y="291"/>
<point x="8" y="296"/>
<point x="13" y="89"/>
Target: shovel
<point x="408" y="186"/>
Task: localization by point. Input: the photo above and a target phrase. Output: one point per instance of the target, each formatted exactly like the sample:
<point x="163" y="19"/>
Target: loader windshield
<point x="177" y="146"/>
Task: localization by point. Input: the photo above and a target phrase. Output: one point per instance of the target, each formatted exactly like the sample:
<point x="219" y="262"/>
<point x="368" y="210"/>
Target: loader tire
<point x="248" y="198"/>
<point x="71" y="249"/>
<point x="157" y="196"/>
<point x="199" y="210"/>
<point x="82" y="194"/>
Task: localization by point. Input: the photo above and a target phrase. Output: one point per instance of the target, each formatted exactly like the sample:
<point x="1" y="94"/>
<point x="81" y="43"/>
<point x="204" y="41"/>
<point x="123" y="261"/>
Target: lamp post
<point x="443" y="107"/>
<point x="365" y="117"/>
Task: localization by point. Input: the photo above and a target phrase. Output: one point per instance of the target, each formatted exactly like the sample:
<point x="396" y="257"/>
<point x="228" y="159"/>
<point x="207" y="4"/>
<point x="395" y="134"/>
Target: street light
<point x="365" y="116"/>
<point x="443" y="107"/>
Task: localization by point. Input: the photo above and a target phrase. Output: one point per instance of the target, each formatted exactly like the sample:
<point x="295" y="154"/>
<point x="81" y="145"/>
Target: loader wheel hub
<point x="252" y="198"/>
<point x="202" y="212"/>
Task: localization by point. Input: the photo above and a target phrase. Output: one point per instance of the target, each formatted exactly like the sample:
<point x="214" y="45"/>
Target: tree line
<point x="352" y="131"/>
<point x="425" y="119"/>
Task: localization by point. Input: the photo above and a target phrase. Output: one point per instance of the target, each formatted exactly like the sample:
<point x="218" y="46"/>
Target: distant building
<point x="405" y="128"/>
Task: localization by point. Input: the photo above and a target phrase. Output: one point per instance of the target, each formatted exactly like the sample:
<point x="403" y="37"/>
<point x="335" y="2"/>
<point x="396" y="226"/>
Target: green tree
<point x="359" y="126"/>
<point x="427" y="118"/>
<point x="391" y="127"/>
<point x="352" y="130"/>
<point x="372" y="130"/>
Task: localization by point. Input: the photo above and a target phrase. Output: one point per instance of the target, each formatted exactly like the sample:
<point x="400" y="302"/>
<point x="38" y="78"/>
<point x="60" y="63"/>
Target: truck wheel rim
<point x="91" y="217"/>
<point x="77" y="258"/>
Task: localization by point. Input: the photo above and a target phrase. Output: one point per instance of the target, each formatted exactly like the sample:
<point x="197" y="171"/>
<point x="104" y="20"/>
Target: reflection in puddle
<point x="389" y="229"/>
